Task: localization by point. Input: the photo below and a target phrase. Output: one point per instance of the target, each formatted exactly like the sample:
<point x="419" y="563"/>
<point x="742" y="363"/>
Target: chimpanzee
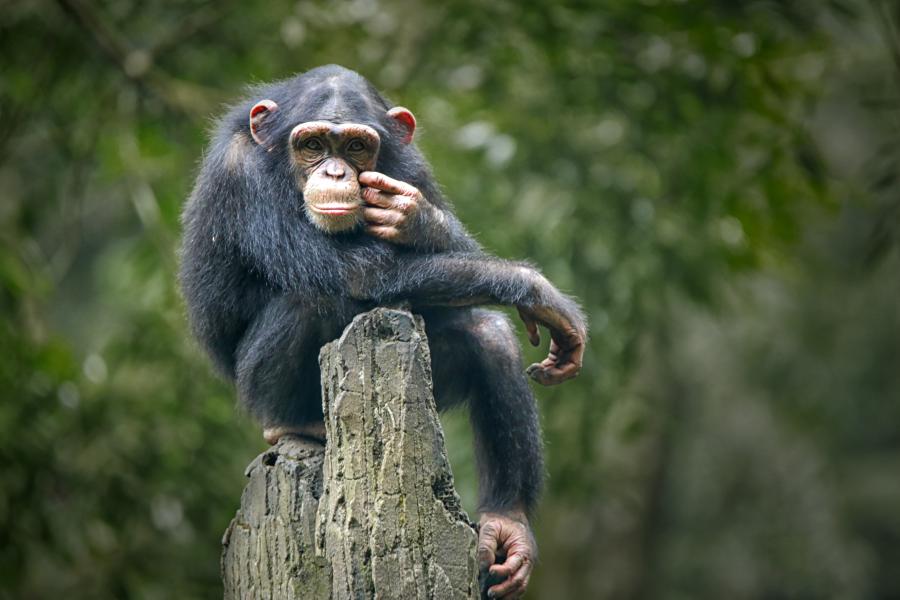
<point x="312" y="206"/>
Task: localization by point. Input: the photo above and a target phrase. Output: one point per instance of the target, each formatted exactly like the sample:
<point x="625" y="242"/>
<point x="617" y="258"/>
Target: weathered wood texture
<point x="270" y="546"/>
<point x="373" y="514"/>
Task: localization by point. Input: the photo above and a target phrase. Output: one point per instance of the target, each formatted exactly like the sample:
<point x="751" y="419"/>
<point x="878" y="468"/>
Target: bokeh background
<point x="716" y="180"/>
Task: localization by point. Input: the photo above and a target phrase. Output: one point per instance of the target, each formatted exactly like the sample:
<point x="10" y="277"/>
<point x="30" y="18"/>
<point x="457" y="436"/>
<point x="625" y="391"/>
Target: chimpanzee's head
<point x="327" y="152"/>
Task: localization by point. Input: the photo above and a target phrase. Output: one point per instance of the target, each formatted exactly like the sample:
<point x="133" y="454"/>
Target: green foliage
<point x="715" y="180"/>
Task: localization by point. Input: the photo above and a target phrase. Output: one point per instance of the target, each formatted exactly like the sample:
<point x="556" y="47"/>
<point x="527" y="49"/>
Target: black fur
<point x="265" y="289"/>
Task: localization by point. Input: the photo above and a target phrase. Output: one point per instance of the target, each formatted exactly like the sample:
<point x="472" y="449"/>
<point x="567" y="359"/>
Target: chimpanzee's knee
<point x="495" y="337"/>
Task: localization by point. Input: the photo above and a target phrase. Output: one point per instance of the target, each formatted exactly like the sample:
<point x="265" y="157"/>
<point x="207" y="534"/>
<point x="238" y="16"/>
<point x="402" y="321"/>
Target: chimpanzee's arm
<point x="467" y="279"/>
<point x="266" y="342"/>
<point x="222" y="296"/>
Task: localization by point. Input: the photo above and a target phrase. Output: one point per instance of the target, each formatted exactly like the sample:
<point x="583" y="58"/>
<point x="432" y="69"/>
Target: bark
<point x="373" y="513"/>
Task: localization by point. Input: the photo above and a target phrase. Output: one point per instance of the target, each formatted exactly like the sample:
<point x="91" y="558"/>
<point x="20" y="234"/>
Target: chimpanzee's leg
<point x="277" y="372"/>
<point x="475" y="358"/>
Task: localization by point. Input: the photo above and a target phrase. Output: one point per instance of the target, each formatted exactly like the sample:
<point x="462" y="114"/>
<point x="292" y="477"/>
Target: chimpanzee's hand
<point x="394" y="210"/>
<point x="506" y="536"/>
<point x="567" y="339"/>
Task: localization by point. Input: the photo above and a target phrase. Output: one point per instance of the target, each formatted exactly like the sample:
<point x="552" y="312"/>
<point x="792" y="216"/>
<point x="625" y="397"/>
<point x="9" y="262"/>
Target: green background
<point x="716" y="181"/>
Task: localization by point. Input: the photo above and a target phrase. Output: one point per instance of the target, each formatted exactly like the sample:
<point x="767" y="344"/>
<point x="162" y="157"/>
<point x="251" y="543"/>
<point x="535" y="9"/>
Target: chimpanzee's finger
<point x="387" y="184"/>
<point x="487" y="545"/>
<point x="569" y="348"/>
<point x="380" y="216"/>
<point x="567" y="345"/>
<point x="515" y="586"/>
<point x="559" y="364"/>
<point x="576" y="356"/>
<point x="539" y="373"/>
<point x="512" y="587"/>
<point x="509" y="567"/>
<point x="374" y="197"/>
<point x="564" y="371"/>
<point x="534" y="335"/>
<point x="398" y="202"/>
<point x="550" y="373"/>
<point x="383" y="232"/>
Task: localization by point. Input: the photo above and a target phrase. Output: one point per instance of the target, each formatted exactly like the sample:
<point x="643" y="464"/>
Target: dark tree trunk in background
<point x="373" y="513"/>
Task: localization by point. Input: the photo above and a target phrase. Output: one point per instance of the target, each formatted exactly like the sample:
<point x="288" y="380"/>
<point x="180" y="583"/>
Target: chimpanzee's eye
<point x="313" y="144"/>
<point x="356" y="146"/>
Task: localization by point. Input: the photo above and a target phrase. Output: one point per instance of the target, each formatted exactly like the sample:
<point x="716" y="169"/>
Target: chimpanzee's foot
<point x="315" y="431"/>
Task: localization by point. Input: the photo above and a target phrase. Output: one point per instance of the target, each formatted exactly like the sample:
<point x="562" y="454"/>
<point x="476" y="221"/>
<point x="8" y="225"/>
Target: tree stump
<point x="371" y="514"/>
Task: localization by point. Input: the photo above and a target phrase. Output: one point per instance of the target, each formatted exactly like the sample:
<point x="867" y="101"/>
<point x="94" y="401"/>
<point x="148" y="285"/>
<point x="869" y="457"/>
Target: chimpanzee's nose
<point x="336" y="170"/>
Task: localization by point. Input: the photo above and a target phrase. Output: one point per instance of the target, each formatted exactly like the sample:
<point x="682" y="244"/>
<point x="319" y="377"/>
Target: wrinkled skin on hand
<point x="392" y="207"/>
<point x="506" y="538"/>
<point x="567" y="341"/>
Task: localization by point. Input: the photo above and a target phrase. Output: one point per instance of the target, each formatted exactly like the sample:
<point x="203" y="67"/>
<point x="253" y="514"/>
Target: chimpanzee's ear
<point x="260" y="112"/>
<point x="406" y="120"/>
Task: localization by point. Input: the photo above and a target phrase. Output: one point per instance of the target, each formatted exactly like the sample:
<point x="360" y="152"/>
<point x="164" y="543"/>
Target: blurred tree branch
<point x="138" y="64"/>
<point x="189" y="26"/>
<point x="888" y="23"/>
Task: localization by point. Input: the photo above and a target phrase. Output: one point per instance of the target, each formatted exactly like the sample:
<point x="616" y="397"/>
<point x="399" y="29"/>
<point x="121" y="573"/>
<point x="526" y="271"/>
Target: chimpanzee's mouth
<point x="334" y="209"/>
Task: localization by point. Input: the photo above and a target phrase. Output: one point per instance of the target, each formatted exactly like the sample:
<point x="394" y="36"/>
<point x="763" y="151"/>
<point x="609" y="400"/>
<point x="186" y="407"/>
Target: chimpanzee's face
<point x="328" y="159"/>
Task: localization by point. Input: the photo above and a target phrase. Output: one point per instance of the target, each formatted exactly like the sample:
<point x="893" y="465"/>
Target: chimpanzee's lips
<point x="334" y="209"/>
